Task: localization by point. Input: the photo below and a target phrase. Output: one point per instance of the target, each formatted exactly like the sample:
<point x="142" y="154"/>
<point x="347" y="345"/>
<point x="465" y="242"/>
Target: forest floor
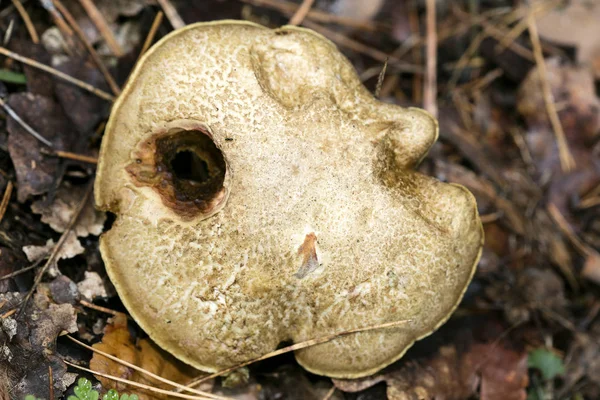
<point x="515" y="87"/>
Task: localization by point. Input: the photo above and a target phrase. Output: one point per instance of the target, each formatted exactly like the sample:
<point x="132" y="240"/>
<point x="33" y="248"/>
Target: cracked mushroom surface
<point x="263" y="195"/>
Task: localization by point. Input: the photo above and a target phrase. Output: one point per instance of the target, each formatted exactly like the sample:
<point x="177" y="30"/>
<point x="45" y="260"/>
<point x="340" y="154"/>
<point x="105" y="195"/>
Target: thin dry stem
<point x="172" y="14"/>
<point x="99" y="308"/>
<point x="5" y="199"/>
<point x="81" y="35"/>
<point x="298" y="346"/>
<point x="151" y="33"/>
<point x="145" y="372"/>
<point x="567" y="161"/>
<point x="83" y="85"/>
<point x="72" y="156"/>
<point x="138" y="385"/>
<point x="50" y="383"/>
<point x="380" y="79"/>
<point x="24" y="124"/>
<point x="329" y="393"/>
<point x="27" y="20"/>
<point x="301" y="12"/>
<point x="102" y="26"/>
<point x="8" y="313"/>
<point x="430" y="88"/>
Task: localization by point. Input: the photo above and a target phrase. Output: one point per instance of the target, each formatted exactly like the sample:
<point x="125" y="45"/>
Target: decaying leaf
<point x="36" y="173"/>
<point x="28" y="344"/>
<point x="576" y="25"/>
<point x="59" y="213"/>
<point x="493" y="371"/>
<point x="145" y="354"/>
<point x="70" y="248"/>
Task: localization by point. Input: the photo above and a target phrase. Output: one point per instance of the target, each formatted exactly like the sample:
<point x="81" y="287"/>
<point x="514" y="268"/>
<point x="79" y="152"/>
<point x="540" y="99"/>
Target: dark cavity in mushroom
<point x="185" y="167"/>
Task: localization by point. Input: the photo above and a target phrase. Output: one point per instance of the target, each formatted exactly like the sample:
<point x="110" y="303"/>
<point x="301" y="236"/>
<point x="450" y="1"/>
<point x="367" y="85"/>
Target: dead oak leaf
<point x="498" y="373"/>
<point x="145" y="354"/>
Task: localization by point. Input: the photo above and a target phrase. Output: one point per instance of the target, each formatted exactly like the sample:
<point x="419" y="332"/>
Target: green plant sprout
<point x="84" y="391"/>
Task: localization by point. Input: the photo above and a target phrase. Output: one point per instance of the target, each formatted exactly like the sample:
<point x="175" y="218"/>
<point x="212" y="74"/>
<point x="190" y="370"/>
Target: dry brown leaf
<point x="59" y="213"/>
<point x="71" y="248"/>
<point x="145" y="354"/>
<point x="498" y="372"/>
<point x="575" y="25"/>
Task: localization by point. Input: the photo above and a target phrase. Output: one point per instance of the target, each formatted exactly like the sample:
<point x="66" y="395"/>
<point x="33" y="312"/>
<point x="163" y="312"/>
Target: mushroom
<point x="263" y="195"/>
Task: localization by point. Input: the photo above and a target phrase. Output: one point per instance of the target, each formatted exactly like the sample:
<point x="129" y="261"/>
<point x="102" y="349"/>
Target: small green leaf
<point x="548" y="363"/>
<point x="12" y="77"/>
<point x="30" y="397"/>
<point x="112" y="394"/>
<point x="93" y="395"/>
<point x="124" y="396"/>
<point x="133" y="397"/>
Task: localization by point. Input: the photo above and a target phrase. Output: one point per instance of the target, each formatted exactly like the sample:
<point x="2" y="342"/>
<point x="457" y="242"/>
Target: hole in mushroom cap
<point x="185" y="167"/>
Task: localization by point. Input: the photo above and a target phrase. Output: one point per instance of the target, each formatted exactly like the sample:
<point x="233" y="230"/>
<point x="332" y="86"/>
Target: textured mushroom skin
<point x="321" y="225"/>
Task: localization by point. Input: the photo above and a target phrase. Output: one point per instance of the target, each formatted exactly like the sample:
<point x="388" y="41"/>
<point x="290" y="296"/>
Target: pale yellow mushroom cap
<point x="263" y="195"/>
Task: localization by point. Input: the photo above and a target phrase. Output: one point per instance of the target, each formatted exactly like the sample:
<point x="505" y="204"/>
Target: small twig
<point x="25" y="16"/>
<point x="63" y="238"/>
<point x="298" y="346"/>
<point x="301" y="12"/>
<point x="24" y="124"/>
<point x="50" y="383"/>
<point x="143" y="371"/>
<point x="137" y="384"/>
<point x="330" y="393"/>
<point x="8" y="313"/>
<point x="151" y="34"/>
<point x="380" y="79"/>
<point x="567" y="161"/>
<point x="81" y="35"/>
<point x="172" y="14"/>
<point x="71" y="156"/>
<point x="22" y="270"/>
<point x="99" y="308"/>
<point x="102" y="26"/>
<point x="430" y="83"/>
<point x="84" y="85"/>
<point x="5" y="199"/>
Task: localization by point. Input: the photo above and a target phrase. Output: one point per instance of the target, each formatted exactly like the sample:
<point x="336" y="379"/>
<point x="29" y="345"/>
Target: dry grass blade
<point x="329" y="393"/>
<point x="72" y="156"/>
<point x="172" y="14"/>
<point x="567" y="161"/>
<point x="75" y="26"/>
<point x="143" y="371"/>
<point x="5" y="199"/>
<point x="24" y="124"/>
<point x="301" y="12"/>
<point x="430" y="84"/>
<point x="140" y="385"/>
<point x="380" y="79"/>
<point x="99" y="308"/>
<point x="298" y="346"/>
<point x="151" y="34"/>
<point x="102" y="26"/>
<point x="22" y="270"/>
<point x="84" y="85"/>
<point x="50" y="383"/>
<point x="30" y="27"/>
<point x="59" y="244"/>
